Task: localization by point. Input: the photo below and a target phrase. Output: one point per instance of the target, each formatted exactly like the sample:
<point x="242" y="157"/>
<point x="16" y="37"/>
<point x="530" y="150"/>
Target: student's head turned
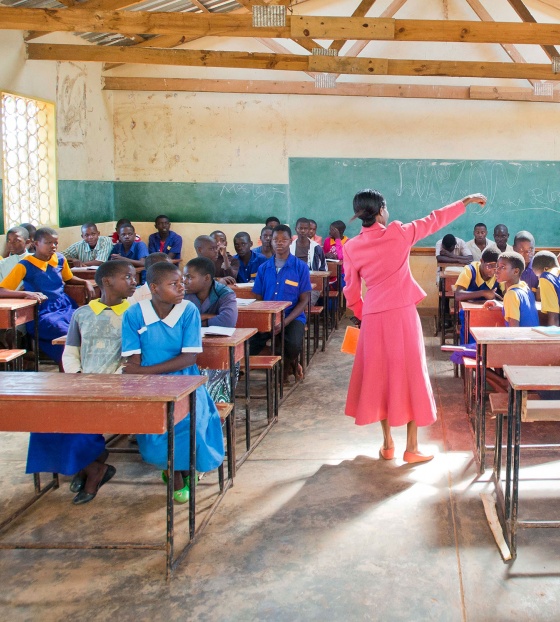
<point x="302" y="227"/>
<point x="162" y="224"/>
<point x="220" y="237"/>
<point x="489" y="262"/>
<point x="166" y="283"/>
<point x="205" y="246"/>
<point x="118" y="276"/>
<point x="154" y="258"/>
<point x="266" y="236"/>
<point x="281" y="240"/>
<point x="31" y="229"/>
<point x="339" y="225"/>
<point x="242" y="243"/>
<point x="199" y="275"/>
<point x="480" y="232"/>
<point x="90" y="233"/>
<point x="449" y="242"/>
<point x="510" y="267"/>
<point x="46" y="243"/>
<point x="127" y="233"/>
<point x="17" y="240"/>
<point x="524" y="244"/>
<point x="272" y="222"/>
<point x="368" y="205"/>
<point x="543" y="261"/>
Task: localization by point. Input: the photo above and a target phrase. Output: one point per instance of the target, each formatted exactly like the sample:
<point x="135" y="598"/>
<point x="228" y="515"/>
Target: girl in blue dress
<point x="44" y="275"/>
<point x="162" y="336"/>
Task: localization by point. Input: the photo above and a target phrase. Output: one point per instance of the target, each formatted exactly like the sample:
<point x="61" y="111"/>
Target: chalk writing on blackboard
<point x="253" y="191"/>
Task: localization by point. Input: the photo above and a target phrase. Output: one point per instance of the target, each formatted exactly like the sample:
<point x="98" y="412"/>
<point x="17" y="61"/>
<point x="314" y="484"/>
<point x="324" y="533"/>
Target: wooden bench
<point x="12" y="360"/>
<point x="271" y="366"/>
<point x="224" y="410"/>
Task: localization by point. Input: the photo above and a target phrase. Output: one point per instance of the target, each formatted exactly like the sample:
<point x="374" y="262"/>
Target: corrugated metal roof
<point x="164" y="6"/>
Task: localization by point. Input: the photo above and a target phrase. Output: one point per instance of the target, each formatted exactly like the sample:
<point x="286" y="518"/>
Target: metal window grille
<point x="29" y="161"/>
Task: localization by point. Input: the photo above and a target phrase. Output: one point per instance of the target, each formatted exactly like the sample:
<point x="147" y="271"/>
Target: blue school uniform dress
<point x="55" y="313"/>
<point x="248" y="273"/>
<point x="159" y="340"/>
<point x="520" y="305"/>
<point x="137" y="251"/>
<point x="471" y="280"/>
<point x="172" y="244"/>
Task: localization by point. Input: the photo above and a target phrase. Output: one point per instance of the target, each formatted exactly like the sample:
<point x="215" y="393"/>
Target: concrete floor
<point x="317" y="527"/>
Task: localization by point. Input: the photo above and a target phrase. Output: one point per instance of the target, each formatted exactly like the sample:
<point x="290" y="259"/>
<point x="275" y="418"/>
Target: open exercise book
<point x="222" y="331"/>
<point x="243" y="302"/>
<point x="551" y="331"/>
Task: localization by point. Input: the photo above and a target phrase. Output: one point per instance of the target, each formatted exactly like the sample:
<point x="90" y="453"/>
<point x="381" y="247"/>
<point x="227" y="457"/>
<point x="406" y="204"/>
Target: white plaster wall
<point x="84" y="112"/>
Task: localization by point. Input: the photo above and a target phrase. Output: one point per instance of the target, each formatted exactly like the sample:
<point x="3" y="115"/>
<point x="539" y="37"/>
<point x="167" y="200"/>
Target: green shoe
<point x="185" y="479"/>
<point x="182" y="496"/>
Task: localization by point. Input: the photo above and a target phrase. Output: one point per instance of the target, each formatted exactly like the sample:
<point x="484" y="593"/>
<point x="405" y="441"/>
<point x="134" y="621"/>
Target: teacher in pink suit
<point x="389" y="381"/>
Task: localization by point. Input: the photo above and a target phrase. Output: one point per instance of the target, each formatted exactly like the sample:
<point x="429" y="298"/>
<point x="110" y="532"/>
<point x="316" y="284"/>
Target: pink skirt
<point x="390" y="377"/>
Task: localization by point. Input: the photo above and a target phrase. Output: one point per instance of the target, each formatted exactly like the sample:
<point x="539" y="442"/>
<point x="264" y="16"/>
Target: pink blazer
<point x="380" y="256"/>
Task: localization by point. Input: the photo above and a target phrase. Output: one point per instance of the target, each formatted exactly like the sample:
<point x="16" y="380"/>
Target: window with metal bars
<point x="29" y="161"/>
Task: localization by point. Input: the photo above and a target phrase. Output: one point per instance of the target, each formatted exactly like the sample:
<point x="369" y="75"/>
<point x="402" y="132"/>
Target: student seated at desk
<point x="226" y="265"/>
<point x="249" y="261"/>
<point x="162" y="336"/>
<point x="266" y="243"/>
<point x="218" y="307"/>
<point x="501" y="236"/>
<point x="545" y="266"/>
<point x="130" y="249"/>
<point x="313" y="232"/>
<point x="93" y="346"/>
<point x="519" y="306"/>
<point x="480" y="241"/>
<point x="309" y="252"/>
<point x="44" y="275"/>
<point x="143" y="292"/>
<point x="31" y="229"/>
<point x="120" y="223"/>
<point x="272" y="222"/>
<point x="477" y="283"/>
<point x="284" y="277"/>
<point x="524" y="244"/>
<point x="17" y="244"/>
<point x="333" y="247"/>
<point x="205" y="246"/>
<point x="92" y="250"/>
<point x="165" y="240"/>
<point x="451" y="249"/>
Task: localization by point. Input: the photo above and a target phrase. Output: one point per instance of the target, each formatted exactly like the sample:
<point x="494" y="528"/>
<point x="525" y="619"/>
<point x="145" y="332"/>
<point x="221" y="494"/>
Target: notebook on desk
<point x="221" y="331"/>
<point x="243" y="302"/>
<point x="551" y="331"/>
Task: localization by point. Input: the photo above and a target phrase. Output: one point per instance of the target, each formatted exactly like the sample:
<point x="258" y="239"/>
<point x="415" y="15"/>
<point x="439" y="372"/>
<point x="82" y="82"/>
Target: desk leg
<point x="476" y="414"/>
<point x="308" y="336"/>
<point x="282" y="355"/>
<point x="36" y="340"/>
<point x="170" y="482"/>
<point x="482" y="422"/>
<point x="325" y="315"/>
<point x="247" y="398"/>
<point x="192" y="465"/>
<point x="516" y="456"/>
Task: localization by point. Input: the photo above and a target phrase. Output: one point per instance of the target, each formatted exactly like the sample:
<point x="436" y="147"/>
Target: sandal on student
<point x="85" y="497"/>
<point x="185" y="479"/>
<point x="78" y="482"/>
<point x="182" y="495"/>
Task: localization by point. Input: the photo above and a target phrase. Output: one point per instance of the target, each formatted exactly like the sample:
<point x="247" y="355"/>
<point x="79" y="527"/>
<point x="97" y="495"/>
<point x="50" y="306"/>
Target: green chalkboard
<point x="80" y="201"/>
<point x="193" y="202"/>
<point x="522" y="195"/>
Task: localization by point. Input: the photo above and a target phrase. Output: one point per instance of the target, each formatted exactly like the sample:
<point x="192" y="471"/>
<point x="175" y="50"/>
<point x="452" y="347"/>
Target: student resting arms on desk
<point x="165" y="240"/>
<point x="545" y="266"/>
<point x="93" y="346"/>
<point x="218" y="307"/>
<point x="44" y="275"/>
<point x="519" y="306"/>
<point x="389" y="381"/>
<point x="92" y="250"/>
<point x="162" y="336"/>
<point x="226" y="265"/>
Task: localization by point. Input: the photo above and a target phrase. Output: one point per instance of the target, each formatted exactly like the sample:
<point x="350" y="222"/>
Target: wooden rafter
<point x="300" y="26"/>
<point x="361" y="11"/>
<point x="289" y="62"/>
<point x="527" y="17"/>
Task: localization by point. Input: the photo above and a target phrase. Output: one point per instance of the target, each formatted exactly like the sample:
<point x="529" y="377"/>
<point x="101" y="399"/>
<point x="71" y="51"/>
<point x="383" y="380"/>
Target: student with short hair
<point x="162" y="336"/>
<point x="165" y="240"/>
<point x="93" y="346"/>
<point x="501" y="236"/>
<point x="44" y="275"/>
<point x="17" y="245"/>
<point x="477" y="282"/>
<point x="272" y="222"/>
<point x="284" y="277"/>
<point x="451" y="249"/>
<point x="545" y="266"/>
<point x="519" y="306"/>
<point x="249" y="261"/>
<point x="131" y="249"/>
<point x="313" y="232"/>
<point x="31" y="229"/>
<point x="143" y="292"/>
<point x="335" y="241"/>
<point x="266" y="243"/>
<point x="218" y="307"/>
<point x="226" y="265"/>
<point x="524" y="244"/>
<point x="480" y="242"/>
<point x="120" y="223"/>
<point x="92" y="250"/>
<point x="206" y="246"/>
<point x="306" y="249"/>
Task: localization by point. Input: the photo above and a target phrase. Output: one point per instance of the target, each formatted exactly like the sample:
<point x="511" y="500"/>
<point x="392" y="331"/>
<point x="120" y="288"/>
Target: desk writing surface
<point x="92" y="403"/>
<point x="239" y="336"/>
<point x="23" y="307"/>
<point x="321" y="273"/>
<point x="265" y="306"/>
<point x="505" y="334"/>
<point x="533" y="378"/>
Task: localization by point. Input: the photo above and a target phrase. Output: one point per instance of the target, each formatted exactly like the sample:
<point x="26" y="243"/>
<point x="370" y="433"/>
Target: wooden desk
<point x="97" y="404"/>
<point x="499" y="346"/>
<point x="17" y="311"/>
<point x="322" y="279"/>
<point x="448" y="274"/>
<point x="224" y="353"/>
<point x="521" y="379"/>
<point x="335" y="268"/>
<point x="85" y="273"/>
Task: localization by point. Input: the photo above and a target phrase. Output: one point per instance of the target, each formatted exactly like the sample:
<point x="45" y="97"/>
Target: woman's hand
<point x="475" y="198"/>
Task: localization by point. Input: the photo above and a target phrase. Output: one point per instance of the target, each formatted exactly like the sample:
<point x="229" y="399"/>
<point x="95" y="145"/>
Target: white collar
<point x="151" y="317"/>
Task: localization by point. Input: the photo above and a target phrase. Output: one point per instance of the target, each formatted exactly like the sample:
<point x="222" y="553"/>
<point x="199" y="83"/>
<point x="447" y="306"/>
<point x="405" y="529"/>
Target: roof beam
<point x="344" y="89"/>
<point x="361" y="11"/>
<point x="227" y="25"/>
<point x="290" y="62"/>
<point x="527" y="17"/>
